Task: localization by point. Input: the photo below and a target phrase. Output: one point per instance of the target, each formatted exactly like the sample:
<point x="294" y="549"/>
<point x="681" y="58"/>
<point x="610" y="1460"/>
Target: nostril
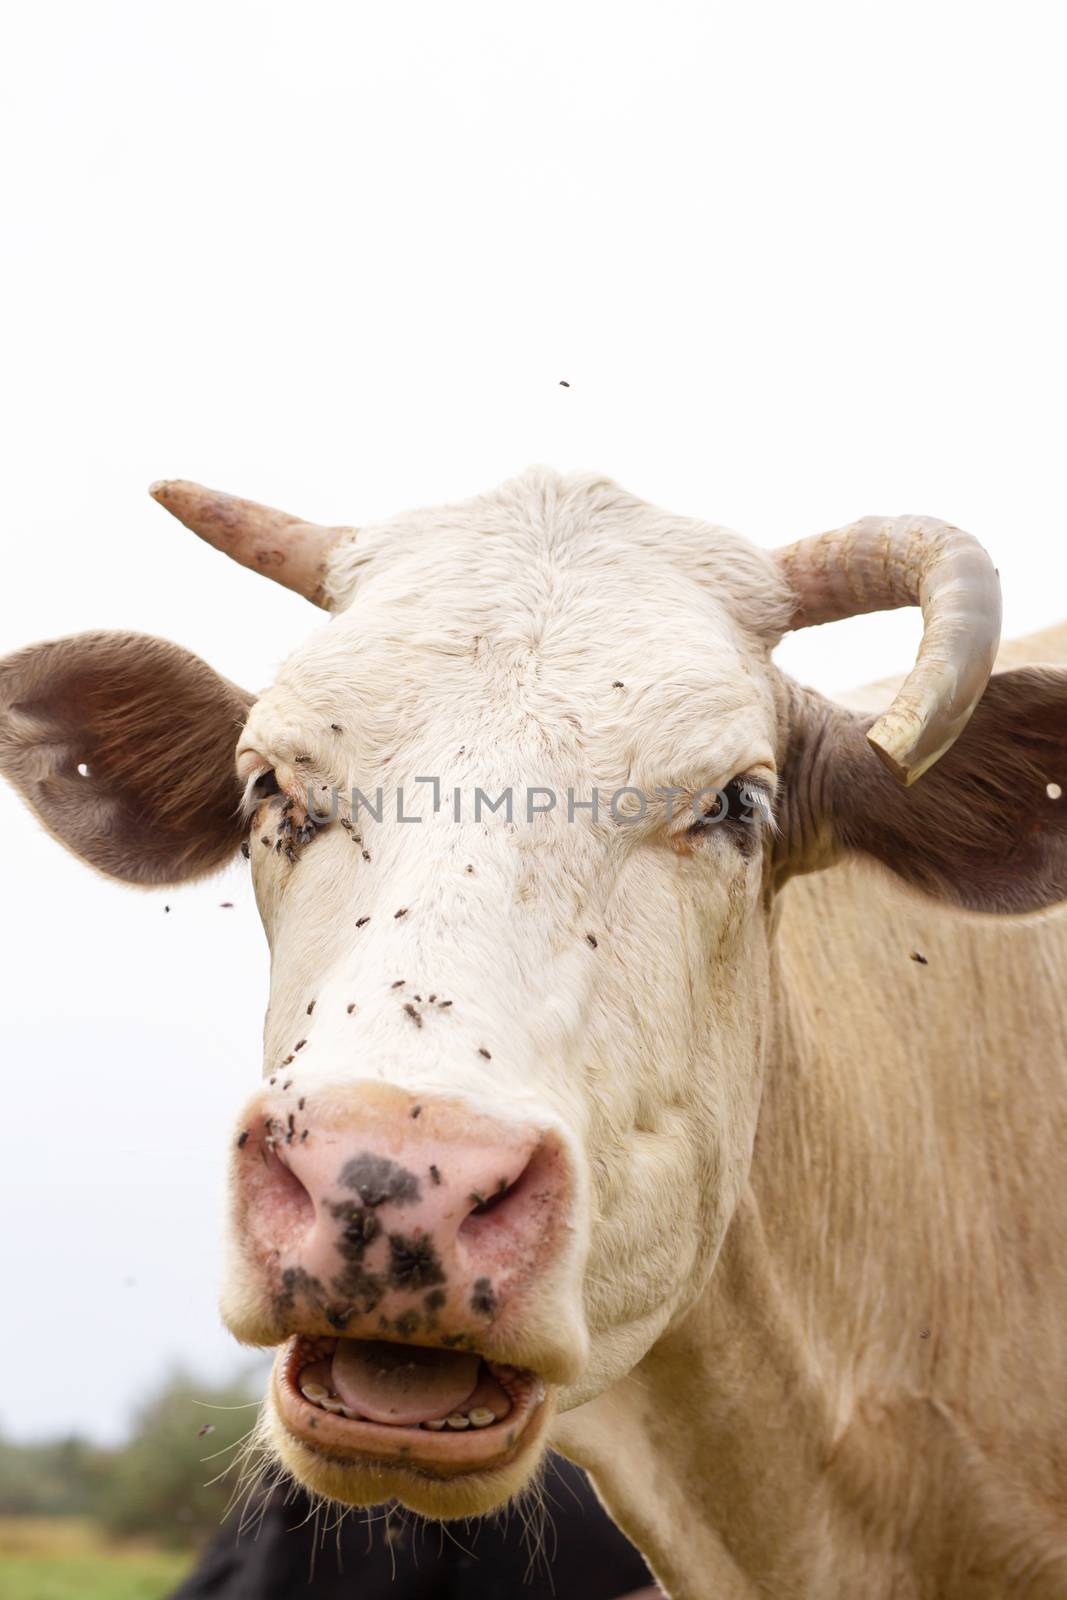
<point x="290" y="1196"/>
<point x="492" y="1207"/>
<point x="280" y="1209"/>
<point x="482" y="1205"/>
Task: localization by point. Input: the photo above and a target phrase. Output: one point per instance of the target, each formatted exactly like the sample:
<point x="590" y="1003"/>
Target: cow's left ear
<point x="985" y="828"/>
<point x="123" y="745"/>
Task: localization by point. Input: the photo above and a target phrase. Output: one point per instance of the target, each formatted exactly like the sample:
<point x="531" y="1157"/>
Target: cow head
<point x="516" y="818"/>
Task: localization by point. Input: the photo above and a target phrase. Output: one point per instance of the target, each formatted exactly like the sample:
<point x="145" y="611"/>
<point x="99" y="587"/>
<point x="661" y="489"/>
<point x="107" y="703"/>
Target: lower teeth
<point x="478" y="1417"/>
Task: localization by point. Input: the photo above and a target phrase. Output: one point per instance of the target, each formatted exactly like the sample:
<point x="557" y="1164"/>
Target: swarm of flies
<point x="296" y="827"/>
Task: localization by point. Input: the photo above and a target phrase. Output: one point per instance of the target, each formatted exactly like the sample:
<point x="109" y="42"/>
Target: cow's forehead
<point x="541" y="527"/>
<point x="562" y="603"/>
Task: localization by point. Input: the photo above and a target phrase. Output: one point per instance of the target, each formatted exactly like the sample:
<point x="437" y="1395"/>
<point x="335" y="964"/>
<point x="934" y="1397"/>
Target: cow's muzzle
<point x="416" y="1261"/>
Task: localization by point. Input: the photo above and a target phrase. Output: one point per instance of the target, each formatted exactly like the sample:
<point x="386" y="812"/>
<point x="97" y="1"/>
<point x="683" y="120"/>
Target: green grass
<point x="66" y="1559"/>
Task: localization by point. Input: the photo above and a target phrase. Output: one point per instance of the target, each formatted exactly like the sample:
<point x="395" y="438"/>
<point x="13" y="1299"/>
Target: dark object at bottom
<point x="584" y="1557"/>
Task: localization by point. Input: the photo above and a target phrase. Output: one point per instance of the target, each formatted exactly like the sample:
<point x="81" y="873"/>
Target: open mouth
<point x="440" y="1411"/>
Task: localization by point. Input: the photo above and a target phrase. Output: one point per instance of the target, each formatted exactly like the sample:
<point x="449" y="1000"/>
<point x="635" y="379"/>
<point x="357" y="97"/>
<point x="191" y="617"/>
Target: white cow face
<point x="598" y="979"/>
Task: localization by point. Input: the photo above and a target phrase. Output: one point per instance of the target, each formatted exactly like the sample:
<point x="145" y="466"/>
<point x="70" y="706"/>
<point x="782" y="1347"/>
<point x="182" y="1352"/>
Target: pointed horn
<point x="291" y="552"/>
<point x="879" y="564"/>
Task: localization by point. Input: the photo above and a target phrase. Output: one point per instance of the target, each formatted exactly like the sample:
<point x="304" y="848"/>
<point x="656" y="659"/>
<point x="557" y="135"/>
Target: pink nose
<point x="389" y="1215"/>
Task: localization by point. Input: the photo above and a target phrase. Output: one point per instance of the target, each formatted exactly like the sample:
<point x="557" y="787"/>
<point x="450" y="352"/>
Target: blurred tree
<point x="62" y="1477"/>
<point x="159" y="1483"/>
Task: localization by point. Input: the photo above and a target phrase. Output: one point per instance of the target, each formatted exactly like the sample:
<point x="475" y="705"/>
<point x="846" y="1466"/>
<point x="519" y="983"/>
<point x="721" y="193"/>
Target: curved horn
<point x="881" y="563"/>
<point x="291" y="552"/>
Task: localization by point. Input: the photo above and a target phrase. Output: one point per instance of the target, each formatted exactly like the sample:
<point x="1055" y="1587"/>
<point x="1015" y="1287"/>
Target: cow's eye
<point x="264" y="786"/>
<point x="741" y="805"/>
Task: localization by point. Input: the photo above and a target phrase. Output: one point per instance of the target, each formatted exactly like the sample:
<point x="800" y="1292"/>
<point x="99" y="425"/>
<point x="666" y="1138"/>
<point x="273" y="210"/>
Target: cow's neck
<point x="715" y="1445"/>
<point x="711" y="1447"/>
<point x="717" y="1442"/>
<point x="842" y="1412"/>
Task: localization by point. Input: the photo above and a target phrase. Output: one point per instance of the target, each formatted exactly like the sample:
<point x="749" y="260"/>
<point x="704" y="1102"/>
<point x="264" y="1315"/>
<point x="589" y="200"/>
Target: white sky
<point x="798" y="263"/>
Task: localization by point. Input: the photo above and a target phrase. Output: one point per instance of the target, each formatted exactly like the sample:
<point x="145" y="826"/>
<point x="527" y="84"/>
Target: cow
<point x="663" y="1062"/>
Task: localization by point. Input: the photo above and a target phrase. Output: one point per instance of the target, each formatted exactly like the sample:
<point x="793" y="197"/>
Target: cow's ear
<point x="124" y="747"/>
<point x="985" y="828"/>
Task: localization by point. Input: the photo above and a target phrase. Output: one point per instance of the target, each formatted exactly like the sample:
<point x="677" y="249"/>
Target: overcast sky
<point x="798" y="263"/>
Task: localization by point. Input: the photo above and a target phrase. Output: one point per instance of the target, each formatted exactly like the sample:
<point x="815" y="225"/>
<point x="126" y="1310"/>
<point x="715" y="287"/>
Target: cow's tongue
<point x="402" y="1383"/>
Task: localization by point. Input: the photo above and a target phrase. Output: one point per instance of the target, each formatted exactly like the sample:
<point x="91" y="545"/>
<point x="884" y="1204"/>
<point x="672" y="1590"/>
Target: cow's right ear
<point x="123" y="745"/>
<point x="985" y="828"/>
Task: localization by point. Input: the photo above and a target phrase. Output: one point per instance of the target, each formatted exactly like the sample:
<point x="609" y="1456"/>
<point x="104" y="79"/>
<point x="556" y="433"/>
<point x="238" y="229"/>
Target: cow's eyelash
<point x="762" y="798"/>
<point x="743" y="802"/>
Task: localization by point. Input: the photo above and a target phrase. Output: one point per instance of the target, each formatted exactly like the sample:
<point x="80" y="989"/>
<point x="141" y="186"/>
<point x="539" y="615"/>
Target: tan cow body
<point x="774" y="1149"/>
<point x="883" y="1345"/>
<point x="882" y="1348"/>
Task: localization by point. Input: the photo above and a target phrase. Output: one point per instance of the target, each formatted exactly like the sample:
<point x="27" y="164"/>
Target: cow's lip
<point x="347" y="1441"/>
